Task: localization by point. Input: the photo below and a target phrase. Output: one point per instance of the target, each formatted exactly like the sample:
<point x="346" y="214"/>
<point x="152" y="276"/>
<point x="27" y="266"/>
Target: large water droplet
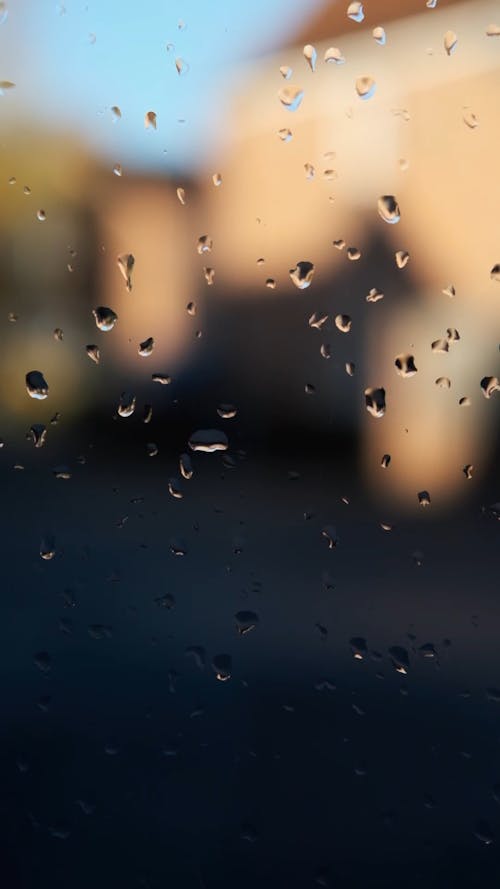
<point x="105" y="318"/>
<point x="208" y="440"/>
<point x="388" y="209"/>
<point x="36" y="385"/>
<point x="489" y="385"/>
<point x="290" y="97"/>
<point x="302" y="274"/>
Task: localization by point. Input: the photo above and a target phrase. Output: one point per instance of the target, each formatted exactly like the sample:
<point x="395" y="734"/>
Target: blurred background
<point x="213" y="148"/>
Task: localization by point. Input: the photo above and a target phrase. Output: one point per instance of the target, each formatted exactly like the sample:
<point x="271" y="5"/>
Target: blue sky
<point x="66" y="80"/>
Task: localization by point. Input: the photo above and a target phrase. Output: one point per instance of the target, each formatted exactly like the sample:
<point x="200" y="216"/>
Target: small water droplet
<point x="246" y="621"/>
<point x="339" y="244"/>
<point x="334" y="56"/>
<point x="290" y="97"/>
<point x="484" y="833"/>
<point x="182" y="67"/>
<point x="286" y="72"/>
<point x="162" y="379"/>
<point x="191" y="308"/>
<point x="4" y="12"/>
<point x="450" y="42"/>
<point x="93" y="353"/>
<point x="271" y="283"/>
<point x="493" y="31"/>
<point x="27" y="190"/>
<point x="150" y="120"/>
<point x="353" y="254"/>
<point x="424" y="498"/>
<point x="204" y="244"/>
<point x="365" y="86"/>
<point x="468" y="470"/>
<point x="443" y="383"/>
<point x="208" y="441"/>
<point x="405" y="365"/>
<point x="58" y="334"/>
<point x="440" y="346"/>
<point x="470" y="119"/>
<point x="325" y="350"/>
<point x="355" y="11"/>
<point x="105" y="318"/>
<point x="449" y="291"/>
<point x="375" y="401"/>
<point x="400" y="659"/>
<point x="185" y="466"/>
<point x="431" y="4"/>
<point x="310" y="55"/>
<point x="386" y="459"/>
<point x="126" y="262"/>
<point x="48" y="547"/>
<point x="209" y="275"/>
<point x="38" y="434"/>
<point x="317" y="320"/>
<point x="402" y="258"/>
<point x="309" y="171"/>
<point x="6" y="85"/>
<point x="350" y="368"/>
<point x="118" y="170"/>
<point x="36" y="385"/>
<point x="175" y="489"/>
<point x="495" y="272"/>
<point x="126" y="406"/>
<point x="378" y="35"/>
<point x="146" y="347"/>
<point x="464" y="401"/>
<point x="152" y="449"/>
<point x="489" y="385"/>
<point x="116" y="113"/>
<point x="388" y="209"/>
<point x="12" y="180"/>
<point x="302" y="274"/>
<point x="222" y="666"/>
<point x="227" y="411"/>
<point x="148" y="414"/>
<point x="343" y="323"/>
<point x="374" y="295"/>
<point x="41" y="215"/>
<point x="285" y="134"/>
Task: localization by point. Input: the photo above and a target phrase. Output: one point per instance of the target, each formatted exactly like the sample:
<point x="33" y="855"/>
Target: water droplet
<point x="402" y="258"/>
<point x="222" y="666"/>
<point x="334" y="56"/>
<point x="150" y="120"/>
<point x="452" y="335"/>
<point x="375" y="402"/>
<point x="350" y="368"/>
<point x="117" y="170"/>
<point x="36" y="385"/>
<point x="450" y="42"/>
<point x="400" y="659"/>
<point x="126" y="406"/>
<point x="495" y="272"/>
<point x="317" y="320"/>
<point x="353" y="254"/>
<point x="386" y="459"/>
<point x="285" y="134"/>
<point x="290" y="97"/>
<point x="378" y="35"/>
<point x="105" y="318"/>
<point x="329" y="532"/>
<point x="208" y="440"/>
<point x="38" y="434"/>
<point x="309" y="171"/>
<point x="302" y="274"/>
<point x="339" y="244"/>
<point x="4" y="12"/>
<point x="41" y="215"/>
<point x="6" y="85"/>
<point x="152" y="449"/>
<point x="489" y="385"/>
<point x="58" y="334"/>
<point x="286" y="72"/>
<point x="174" y="488"/>
<point x="343" y="323"/>
<point x="424" y="498"/>
<point x="468" y="470"/>
<point x="148" y="414"/>
<point x="443" y="383"/>
<point x="271" y="283"/>
<point x="246" y="621"/>
<point x="470" y="119"/>
<point x="464" y="401"/>
<point x="115" y="111"/>
<point x="186" y="466"/>
<point x="325" y="350"/>
<point x="365" y="86"/>
<point x="388" y="209"/>
<point x="355" y="11"/>
<point x="162" y="379"/>
<point x="204" y="244"/>
<point x="93" y="353"/>
<point x="27" y="190"/>
<point x="62" y="472"/>
<point x="126" y="262"/>
<point x="182" y="67"/>
<point x="227" y="411"/>
<point x="48" y="547"/>
<point x="43" y="661"/>
<point x="146" y="347"/>
<point x="374" y="295"/>
<point x="449" y="291"/>
<point x="431" y="4"/>
<point x="493" y="31"/>
<point x="440" y="345"/>
<point x="310" y="55"/>
<point x="309" y="389"/>
<point x="484" y="833"/>
<point x="12" y="180"/>
<point x="405" y="365"/>
<point x="358" y="647"/>
<point x="209" y="275"/>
